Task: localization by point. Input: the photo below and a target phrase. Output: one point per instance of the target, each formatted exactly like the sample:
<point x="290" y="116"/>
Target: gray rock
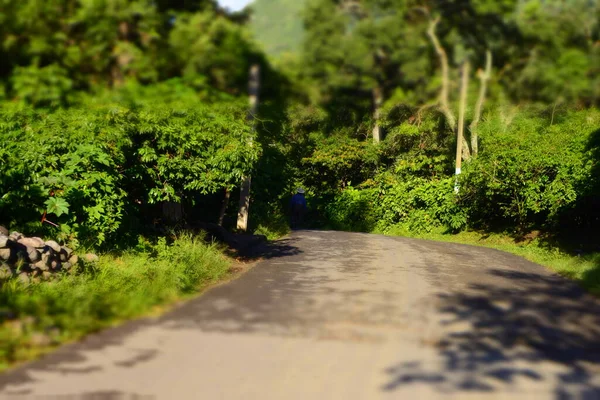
<point x="74" y="259"/>
<point x="24" y="278"/>
<point x="38" y="339"/>
<point x="34" y="242"/>
<point x="42" y="265"/>
<point x="56" y="265"/>
<point x="68" y="251"/>
<point x="4" y="241"/>
<point x="53" y="245"/>
<point x="92" y="258"/>
<point x="6" y="254"/>
<point x="63" y="256"/>
<point x="3" y="231"/>
<point x="33" y="255"/>
<point x="46" y="275"/>
<point x="48" y="256"/>
<point x="6" y="272"/>
<point x="67" y="266"/>
<point x="16" y="236"/>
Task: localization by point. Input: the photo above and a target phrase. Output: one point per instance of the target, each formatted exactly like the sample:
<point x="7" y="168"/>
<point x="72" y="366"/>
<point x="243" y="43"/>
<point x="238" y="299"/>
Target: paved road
<point x="347" y="316"/>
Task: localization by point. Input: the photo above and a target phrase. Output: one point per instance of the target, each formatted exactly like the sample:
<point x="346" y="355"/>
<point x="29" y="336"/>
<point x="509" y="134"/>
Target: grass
<point x="584" y="268"/>
<point x="40" y="316"/>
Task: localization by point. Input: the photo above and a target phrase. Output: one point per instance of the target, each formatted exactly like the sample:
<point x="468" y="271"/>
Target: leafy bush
<point x="86" y="168"/>
<point x="417" y="204"/>
<point x="354" y="210"/>
<point x="529" y="172"/>
<point x="338" y="162"/>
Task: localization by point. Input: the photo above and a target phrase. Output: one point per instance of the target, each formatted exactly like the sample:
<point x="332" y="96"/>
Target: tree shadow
<point x="73" y="358"/>
<point x="495" y="335"/>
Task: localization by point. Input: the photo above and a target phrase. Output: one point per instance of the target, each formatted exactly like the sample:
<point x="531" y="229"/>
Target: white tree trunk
<point x="484" y="77"/>
<point x="377" y="103"/>
<point x="244" y="205"/>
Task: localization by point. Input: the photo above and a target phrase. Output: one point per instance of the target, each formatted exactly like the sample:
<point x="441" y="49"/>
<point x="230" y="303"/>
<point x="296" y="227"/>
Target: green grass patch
<point x="37" y="317"/>
<point x="584" y="268"/>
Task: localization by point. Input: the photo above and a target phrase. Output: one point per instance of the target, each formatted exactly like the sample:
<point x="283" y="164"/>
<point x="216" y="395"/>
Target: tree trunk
<point x="244" y="205"/>
<point x="377" y="103"/>
<point x="461" y="116"/>
<point x="484" y="77"/>
<point x="443" y="56"/>
<point x="224" y="206"/>
<point x="121" y="60"/>
<point x="172" y="211"/>
<point x="444" y="91"/>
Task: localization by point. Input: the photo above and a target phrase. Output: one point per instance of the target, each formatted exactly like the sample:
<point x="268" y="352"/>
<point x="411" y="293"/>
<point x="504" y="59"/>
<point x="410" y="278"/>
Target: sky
<point x="234" y="5"/>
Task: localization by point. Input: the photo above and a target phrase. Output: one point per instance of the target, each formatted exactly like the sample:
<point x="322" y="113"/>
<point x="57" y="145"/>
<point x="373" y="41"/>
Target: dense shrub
<point x="535" y="170"/>
<point x="529" y="172"/>
<point x="416" y="204"/>
<point x="86" y="168"/>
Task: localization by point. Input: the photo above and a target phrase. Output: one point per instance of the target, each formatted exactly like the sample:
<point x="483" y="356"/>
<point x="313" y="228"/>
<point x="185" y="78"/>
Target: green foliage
<point x="338" y="162"/>
<point x="353" y="210"/>
<point x="118" y="288"/>
<point x="52" y="50"/>
<point x="530" y="172"/>
<point x="88" y="168"/>
<point x="223" y="52"/>
<point x="417" y="205"/>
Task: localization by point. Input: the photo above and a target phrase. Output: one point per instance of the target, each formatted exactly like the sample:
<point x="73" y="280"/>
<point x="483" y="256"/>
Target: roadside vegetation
<point x="137" y="282"/>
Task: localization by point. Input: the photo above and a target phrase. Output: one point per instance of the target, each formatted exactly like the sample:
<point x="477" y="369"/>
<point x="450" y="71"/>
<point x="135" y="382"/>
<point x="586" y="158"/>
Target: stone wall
<point x="31" y="258"/>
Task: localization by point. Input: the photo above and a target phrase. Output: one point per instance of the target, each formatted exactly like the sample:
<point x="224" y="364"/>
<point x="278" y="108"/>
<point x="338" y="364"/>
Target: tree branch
<point x="484" y="77"/>
<point x="443" y="56"/>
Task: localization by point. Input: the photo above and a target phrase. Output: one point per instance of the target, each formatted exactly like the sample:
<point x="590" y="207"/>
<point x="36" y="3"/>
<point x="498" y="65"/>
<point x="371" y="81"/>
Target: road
<point x="333" y="315"/>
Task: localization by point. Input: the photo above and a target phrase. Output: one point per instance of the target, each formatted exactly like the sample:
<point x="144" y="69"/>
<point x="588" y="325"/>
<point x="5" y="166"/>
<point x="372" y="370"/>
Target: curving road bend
<point x="333" y="315"/>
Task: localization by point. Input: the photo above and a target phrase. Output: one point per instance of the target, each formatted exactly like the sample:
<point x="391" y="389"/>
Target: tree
<point x="355" y="52"/>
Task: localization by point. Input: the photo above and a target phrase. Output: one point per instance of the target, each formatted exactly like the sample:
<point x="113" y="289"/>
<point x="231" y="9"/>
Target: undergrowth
<point x="37" y="317"/>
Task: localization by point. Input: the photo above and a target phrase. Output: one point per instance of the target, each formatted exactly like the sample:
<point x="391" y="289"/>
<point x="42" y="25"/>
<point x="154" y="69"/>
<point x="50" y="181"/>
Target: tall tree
<point x="355" y="52"/>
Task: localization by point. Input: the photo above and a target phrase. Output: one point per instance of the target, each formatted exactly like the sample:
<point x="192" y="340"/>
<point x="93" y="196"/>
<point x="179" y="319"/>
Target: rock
<point x="34" y="242"/>
<point x="63" y="256"/>
<point x="67" y="266"/>
<point x="56" y="265"/>
<point x="46" y="275"/>
<point x="53" y="245"/>
<point x="42" y="265"/>
<point x="6" y="254"/>
<point x="92" y="258"/>
<point x="6" y="272"/>
<point x="33" y="255"/>
<point x="16" y="236"/>
<point x="4" y="241"/>
<point x="24" y="278"/>
<point x="68" y="251"/>
<point x="74" y="260"/>
<point x="3" y="231"/>
<point x="40" y="340"/>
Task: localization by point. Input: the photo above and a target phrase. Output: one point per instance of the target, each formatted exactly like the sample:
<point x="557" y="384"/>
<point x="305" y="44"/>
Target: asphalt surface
<point x="332" y="315"/>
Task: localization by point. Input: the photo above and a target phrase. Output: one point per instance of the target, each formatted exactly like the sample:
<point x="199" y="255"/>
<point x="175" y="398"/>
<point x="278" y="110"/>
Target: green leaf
<point x="57" y="206"/>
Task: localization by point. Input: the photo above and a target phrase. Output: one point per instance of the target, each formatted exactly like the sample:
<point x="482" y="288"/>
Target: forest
<point x="113" y="112"/>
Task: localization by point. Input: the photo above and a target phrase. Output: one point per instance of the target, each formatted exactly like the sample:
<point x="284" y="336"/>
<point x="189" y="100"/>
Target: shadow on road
<point x="72" y="358"/>
<point x="502" y="332"/>
<point x="279" y="298"/>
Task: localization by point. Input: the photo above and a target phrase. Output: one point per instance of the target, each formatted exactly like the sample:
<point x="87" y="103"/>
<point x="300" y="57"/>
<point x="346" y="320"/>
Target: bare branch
<point x="484" y="77"/>
<point x="443" y="56"/>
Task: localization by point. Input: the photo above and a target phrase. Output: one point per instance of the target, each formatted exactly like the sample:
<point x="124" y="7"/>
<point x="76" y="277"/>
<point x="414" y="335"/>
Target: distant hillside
<point x="277" y="25"/>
